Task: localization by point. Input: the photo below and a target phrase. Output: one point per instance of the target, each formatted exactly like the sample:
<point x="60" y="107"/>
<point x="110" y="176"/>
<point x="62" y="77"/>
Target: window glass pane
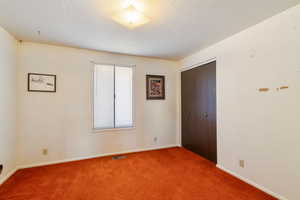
<point x="123" y="91"/>
<point x="104" y="97"/>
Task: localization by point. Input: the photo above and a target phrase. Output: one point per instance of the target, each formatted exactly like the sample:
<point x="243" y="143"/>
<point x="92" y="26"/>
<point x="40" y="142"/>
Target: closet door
<point x="198" y="100"/>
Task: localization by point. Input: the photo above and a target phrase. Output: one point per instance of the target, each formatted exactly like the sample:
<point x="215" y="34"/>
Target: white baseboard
<point x="2" y="180"/>
<point x="135" y="151"/>
<point x="253" y="183"/>
<point x="95" y="156"/>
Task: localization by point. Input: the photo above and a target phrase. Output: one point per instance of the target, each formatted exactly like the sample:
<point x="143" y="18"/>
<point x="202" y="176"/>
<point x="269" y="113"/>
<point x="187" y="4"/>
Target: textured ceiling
<point x="177" y="28"/>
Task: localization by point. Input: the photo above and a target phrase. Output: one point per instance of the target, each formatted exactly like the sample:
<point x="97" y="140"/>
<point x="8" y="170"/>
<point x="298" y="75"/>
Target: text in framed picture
<point x="41" y="82"/>
<point x="155" y="87"/>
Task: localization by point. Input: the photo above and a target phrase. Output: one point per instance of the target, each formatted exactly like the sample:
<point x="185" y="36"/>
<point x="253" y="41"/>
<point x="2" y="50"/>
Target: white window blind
<point x="113" y="97"/>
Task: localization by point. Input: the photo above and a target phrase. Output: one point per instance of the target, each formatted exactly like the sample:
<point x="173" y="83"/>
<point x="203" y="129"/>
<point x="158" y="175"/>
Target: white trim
<point x="252" y="183"/>
<point x="2" y="180"/>
<point x="136" y="151"/>
<point x="96" y="156"/>
<point x="178" y="105"/>
<point x="92" y="90"/>
<point x="198" y="64"/>
<point x="113" y="130"/>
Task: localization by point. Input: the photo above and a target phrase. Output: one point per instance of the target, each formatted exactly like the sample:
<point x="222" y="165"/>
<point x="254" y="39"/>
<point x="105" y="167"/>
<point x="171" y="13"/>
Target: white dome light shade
<point x="131" y="17"/>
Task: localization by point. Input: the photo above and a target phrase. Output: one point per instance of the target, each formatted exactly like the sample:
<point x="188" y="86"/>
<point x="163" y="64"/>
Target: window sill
<point x="112" y="130"/>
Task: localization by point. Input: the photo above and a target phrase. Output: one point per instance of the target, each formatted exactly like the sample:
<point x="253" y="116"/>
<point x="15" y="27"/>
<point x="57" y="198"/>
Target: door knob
<point x="205" y="115"/>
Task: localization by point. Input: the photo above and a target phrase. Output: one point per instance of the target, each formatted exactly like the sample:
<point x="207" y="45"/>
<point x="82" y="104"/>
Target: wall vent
<point x="118" y="157"/>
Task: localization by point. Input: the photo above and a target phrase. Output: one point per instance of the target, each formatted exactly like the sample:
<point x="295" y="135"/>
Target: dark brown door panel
<point x="198" y="100"/>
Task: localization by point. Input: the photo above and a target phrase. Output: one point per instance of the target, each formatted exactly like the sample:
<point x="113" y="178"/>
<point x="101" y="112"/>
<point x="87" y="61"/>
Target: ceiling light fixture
<point x="131" y="17"/>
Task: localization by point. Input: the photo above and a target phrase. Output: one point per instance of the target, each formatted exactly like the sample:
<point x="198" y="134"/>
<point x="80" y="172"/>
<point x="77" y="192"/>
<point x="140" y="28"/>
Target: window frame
<point x="101" y="130"/>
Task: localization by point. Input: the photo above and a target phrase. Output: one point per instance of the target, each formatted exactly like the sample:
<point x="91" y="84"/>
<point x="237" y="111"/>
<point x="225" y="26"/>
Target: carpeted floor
<point x="169" y="174"/>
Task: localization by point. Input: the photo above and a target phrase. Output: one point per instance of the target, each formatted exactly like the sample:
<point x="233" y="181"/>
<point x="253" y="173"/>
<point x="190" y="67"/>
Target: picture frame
<point x="155" y="87"/>
<point x="41" y="82"/>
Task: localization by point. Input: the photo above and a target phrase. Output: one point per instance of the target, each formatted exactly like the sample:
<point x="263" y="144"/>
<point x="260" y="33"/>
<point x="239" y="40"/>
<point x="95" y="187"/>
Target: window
<point x="113" y="97"/>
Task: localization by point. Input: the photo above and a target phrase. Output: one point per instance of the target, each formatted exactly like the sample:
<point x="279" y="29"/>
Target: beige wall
<point x="61" y="121"/>
<point x="8" y="79"/>
<point x="260" y="128"/>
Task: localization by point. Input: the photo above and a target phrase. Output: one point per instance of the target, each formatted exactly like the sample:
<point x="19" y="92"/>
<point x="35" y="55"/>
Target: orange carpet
<point x="169" y="174"/>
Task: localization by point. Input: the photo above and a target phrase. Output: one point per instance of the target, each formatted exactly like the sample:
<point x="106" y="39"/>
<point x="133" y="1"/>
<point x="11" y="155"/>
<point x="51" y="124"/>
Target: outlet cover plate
<point x="242" y="163"/>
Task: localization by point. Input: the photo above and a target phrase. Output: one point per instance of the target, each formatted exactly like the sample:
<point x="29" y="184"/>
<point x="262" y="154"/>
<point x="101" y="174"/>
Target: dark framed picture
<point x="41" y="82"/>
<point x="155" y="87"/>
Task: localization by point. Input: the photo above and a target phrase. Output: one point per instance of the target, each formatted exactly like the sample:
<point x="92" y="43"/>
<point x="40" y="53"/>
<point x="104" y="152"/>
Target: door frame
<point x="185" y="68"/>
<point x="198" y="64"/>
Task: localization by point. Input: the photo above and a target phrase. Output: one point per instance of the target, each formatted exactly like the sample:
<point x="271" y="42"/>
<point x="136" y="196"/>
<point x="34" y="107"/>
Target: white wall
<point x="8" y="91"/>
<point x="261" y="128"/>
<point x="61" y="121"/>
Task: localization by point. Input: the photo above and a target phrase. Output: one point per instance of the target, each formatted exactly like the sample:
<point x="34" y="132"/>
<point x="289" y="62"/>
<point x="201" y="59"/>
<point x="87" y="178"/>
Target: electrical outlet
<point x="242" y="163"/>
<point x="1" y="168"/>
<point x="45" y="152"/>
<point x="155" y="139"/>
